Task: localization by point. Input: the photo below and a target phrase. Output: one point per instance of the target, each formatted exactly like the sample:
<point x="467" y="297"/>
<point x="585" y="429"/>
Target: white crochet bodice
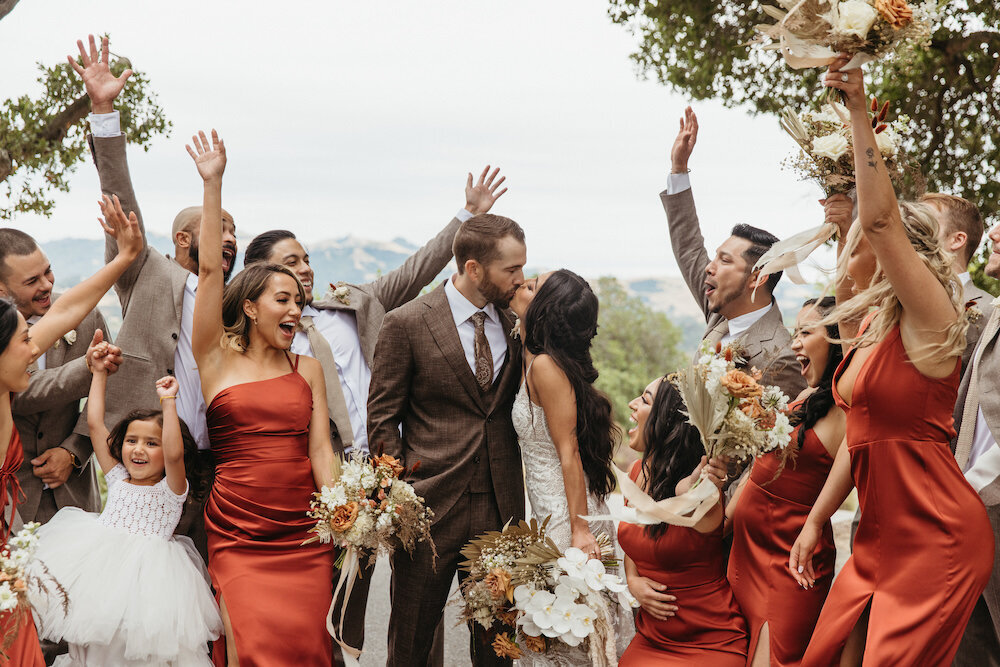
<point x="141" y="510"/>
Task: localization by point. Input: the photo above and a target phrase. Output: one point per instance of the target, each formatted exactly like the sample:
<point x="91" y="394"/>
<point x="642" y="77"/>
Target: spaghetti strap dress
<point x="924" y="547"/>
<point x="767" y="519"/>
<point x="276" y="591"/>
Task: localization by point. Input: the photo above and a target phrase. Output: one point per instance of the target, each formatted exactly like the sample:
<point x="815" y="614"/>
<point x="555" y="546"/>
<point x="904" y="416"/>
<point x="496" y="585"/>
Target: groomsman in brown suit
<point x="960" y="230"/>
<point x="57" y="470"/>
<point x="156" y="292"/>
<point x="724" y="286"/>
<point x="341" y="331"/>
<point x="445" y="373"/>
<point x="977" y="420"/>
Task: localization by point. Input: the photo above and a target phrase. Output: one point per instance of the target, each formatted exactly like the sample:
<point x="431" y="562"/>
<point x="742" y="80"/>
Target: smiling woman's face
<point x="526" y="292"/>
<point x="811" y="348"/>
<point x="641" y="406"/>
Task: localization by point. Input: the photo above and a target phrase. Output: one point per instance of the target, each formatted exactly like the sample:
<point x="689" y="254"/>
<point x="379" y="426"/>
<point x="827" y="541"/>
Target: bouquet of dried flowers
<point x="810" y="33"/>
<point x="533" y="596"/>
<point x="18" y="570"/>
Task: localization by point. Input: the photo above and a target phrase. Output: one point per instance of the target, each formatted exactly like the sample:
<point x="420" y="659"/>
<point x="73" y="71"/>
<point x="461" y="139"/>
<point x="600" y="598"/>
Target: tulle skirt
<point x="132" y="599"/>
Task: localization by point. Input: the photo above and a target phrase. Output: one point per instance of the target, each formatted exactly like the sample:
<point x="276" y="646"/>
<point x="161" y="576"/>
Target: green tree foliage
<point x="43" y="138"/>
<point x="634" y="344"/>
<point x="950" y="90"/>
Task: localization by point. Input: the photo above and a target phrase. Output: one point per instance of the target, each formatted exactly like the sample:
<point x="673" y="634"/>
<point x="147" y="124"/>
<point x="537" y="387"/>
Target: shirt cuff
<point x="463" y="215"/>
<point x="678" y="183"/>
<point x="105" y="124"/>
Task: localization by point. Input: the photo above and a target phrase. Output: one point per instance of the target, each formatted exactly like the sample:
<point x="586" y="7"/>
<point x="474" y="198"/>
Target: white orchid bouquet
<point x="811" y="33"/>
<point x="18" y="570"/>
<point x="531" y="594"/>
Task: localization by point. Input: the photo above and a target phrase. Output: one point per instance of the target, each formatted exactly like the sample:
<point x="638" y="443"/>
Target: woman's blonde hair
<point x="248" y="285"/>
<point x="922" y="229"/>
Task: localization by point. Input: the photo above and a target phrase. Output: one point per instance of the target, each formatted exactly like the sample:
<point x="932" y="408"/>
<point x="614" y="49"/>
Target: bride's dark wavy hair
<point x="673" y="447"/>
<point x="561" y="321"/>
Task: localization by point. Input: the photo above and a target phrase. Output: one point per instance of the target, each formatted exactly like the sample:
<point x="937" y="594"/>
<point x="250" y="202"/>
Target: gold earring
<point x="254" y="318"/>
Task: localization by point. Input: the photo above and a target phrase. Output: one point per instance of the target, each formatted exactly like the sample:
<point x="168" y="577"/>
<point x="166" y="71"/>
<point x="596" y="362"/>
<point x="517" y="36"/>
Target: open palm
<point x="102" y="86"/>
<point x="210" y="161"/>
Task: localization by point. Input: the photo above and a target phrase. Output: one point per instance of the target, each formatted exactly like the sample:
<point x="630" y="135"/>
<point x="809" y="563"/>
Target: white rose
<point x="830" y="145"/>
<point x="886" y="140"/>
<point x="855" y="17"/>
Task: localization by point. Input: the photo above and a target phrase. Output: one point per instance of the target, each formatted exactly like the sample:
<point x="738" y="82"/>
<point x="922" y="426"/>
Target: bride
<point x="565" y="428"/>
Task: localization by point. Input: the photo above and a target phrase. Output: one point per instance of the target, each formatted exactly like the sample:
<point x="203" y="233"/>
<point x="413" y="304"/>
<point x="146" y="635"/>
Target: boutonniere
<point x="972" y="311"/>
<point x="341" y="292"/>
<point x="70" y="338"/>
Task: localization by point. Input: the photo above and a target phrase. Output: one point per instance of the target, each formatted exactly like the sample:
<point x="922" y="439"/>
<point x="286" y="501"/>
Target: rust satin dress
<point x="924" y="547"/>
<point x="25" y="651"/>
<point x="708" y="629"/>
<point x="277" y="592"/>
<point x="768" y="516"/>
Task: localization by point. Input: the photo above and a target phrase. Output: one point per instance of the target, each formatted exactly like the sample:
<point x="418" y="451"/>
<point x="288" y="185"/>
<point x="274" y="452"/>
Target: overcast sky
<point x="363" y="118"/>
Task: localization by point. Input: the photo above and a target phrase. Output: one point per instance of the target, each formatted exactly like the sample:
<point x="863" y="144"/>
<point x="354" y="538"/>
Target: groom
<point x="444" y="376"/>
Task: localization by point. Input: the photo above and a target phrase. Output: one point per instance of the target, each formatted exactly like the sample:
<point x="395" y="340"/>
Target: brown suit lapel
<point x="441" y="324"/>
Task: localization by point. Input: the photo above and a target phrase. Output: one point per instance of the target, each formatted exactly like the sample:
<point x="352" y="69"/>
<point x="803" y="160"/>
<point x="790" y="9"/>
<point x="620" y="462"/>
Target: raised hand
<point x="167" y="387"/>
<point x="211" y="161"/>
<point x="839" y="209"/>
<point x="850" y="82"/>
<point x="97" y="353"/>
<point x="124" y="229"/>
<point x="479" y="198"/>
<point x="102" y="86"/>
<point x="684" y="143"/>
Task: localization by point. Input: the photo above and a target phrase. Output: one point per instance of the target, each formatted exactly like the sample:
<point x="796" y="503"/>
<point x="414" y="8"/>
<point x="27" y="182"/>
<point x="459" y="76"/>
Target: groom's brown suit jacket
<point x="767" y="343"/>
<point x="422" y="382"/>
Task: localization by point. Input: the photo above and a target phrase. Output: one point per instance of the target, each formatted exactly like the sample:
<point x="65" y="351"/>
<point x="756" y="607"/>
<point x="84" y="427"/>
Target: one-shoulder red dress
<point x="708" y="628"/>
<point x="924" y="547"/>
<point x="25" y="650"/>
<point x="769" y="515"/>
<point x="277" y="593"/>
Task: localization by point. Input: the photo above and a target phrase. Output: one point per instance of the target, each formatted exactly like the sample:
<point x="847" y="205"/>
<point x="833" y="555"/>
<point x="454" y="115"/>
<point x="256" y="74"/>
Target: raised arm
<point x="682" y="218"/>
<point x="97" y="355"/>
<point x="172" y="441"/>
<point x="109" y="151"/>
<point x="392" y="373"/>
<point x="555" y="395"/>
<point x="404" y="283"/>
<point x="839" y="209"/>
<point x="208" y="329"/>
<point x="74" y="305"/>
<point x="928" y="310"/>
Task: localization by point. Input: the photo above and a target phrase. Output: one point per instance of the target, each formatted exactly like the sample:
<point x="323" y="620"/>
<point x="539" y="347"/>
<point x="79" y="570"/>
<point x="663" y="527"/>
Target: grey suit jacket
<point x="47" y="413"/>
<point x="371" y="301"/>
<point x="982" y="300"/>
<point x="150" y="291"/>
<point x="421" y="381"/>
<point x="767" y="343"/>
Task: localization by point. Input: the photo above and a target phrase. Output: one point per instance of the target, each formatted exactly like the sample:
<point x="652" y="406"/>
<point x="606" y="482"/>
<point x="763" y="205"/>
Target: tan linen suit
<point x="46" y="415"/>
<point x="981" y="643"/>
<point x="463" y="438"/>
<point x="981" y="300"/>
<point x="767" y="343"/>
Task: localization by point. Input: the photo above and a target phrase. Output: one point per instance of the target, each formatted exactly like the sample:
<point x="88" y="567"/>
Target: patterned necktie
<point x="970" y="411"/>
<point x="484" y="356"/>
<point x="336" y="403"/>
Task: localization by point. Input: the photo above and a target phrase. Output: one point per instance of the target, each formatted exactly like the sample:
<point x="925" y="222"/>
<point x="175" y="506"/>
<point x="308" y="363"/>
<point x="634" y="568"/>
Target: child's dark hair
<point x="198" y="481"/>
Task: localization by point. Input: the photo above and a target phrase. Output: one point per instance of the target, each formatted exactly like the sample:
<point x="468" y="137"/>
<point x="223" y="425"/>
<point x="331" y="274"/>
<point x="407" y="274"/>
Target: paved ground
<point x="456" y="635"/>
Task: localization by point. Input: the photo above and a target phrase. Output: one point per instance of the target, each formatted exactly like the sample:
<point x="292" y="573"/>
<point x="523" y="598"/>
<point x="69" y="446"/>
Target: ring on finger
<point x="844" y="77"/>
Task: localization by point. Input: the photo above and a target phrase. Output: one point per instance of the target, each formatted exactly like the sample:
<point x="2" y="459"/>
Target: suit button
<point x="170" y="371"/>
<point x="475" y="459"/>
<point x="40" y="435"/>
<point x="174" y="336"/>
<point x="489" y="420"/>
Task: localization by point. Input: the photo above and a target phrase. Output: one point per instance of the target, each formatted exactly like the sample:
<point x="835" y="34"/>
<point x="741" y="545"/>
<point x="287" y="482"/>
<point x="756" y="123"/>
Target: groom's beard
<point x="193" y="254"/>
<point x="494" y="294"/>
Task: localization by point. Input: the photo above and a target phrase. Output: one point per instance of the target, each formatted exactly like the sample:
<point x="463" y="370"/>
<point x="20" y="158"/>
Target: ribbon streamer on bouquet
<point x="348" y="573"/>
<point x="799" y="31"/>
<point x="686" y="509"/>
<point x="788" y="254"/>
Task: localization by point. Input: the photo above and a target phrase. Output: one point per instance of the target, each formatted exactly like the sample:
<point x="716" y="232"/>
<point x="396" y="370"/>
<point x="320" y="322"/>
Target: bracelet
<point x="683" y="171"/>
<point x="163" y="397"/>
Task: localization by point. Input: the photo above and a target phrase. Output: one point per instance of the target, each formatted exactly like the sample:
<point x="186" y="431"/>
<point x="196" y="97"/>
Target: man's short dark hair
<point x="14" y="242"/>
<point x="760" y="242"/>
<point x="479" y="236"/>
<point x="260" y="248"/>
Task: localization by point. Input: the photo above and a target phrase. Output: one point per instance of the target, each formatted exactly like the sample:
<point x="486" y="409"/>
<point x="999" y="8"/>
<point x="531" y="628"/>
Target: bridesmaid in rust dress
<point x="19" y="347"/>
<point x="268" y="426"/>
<point x="923" y="551"/>
<point x="772" y="503"/>
<point x="688" y="615"/>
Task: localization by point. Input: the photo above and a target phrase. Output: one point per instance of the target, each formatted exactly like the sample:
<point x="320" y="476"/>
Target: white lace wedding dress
<point x="547" y="494"/>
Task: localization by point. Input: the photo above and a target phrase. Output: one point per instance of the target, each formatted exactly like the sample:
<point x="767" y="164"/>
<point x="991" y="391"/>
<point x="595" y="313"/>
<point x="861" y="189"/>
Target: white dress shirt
<point x="190" y="400"/>
<point x="678" y="183"/>
<point x="340" y="329"/>
<point x="739" y="324"/>
<point x="462" y="310"/>
<point x="41" y="359"/>
<point x="105" y="124"/>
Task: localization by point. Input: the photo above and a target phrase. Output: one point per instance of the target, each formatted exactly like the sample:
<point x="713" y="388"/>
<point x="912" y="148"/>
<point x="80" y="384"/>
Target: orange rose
<point x="752" y="408"/>
<point x="497" y="581"/>
<point x="741" y="385"/>
<point x="536" y="644"/>
<point x="390" y="462"/>
<point x="344" y="517"/>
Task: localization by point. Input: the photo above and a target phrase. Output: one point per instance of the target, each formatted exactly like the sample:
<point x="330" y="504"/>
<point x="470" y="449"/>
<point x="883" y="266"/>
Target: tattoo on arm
<point x="871" y="158"/>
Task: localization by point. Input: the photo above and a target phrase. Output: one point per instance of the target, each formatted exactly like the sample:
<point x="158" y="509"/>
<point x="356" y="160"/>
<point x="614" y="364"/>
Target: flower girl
<point x="137" y="595"/>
